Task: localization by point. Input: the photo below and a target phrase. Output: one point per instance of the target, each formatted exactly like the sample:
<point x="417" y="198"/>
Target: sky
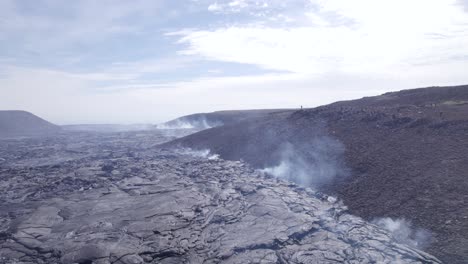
<point x="148" y="61"/>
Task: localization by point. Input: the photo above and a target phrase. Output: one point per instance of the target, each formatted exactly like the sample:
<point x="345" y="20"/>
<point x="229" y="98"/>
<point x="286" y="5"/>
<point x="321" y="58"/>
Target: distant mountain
<point x="22" y="123"/>
<point x="401" y="155"/>
<point x="214" y="119"/>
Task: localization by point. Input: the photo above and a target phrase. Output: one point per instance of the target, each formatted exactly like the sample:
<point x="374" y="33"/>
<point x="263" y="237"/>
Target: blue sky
<point x="148" y="61"/>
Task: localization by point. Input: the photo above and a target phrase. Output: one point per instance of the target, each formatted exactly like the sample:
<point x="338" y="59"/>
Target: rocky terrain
<point x="400" y="155"/>
<point x="15" y="123"/>
<point x="87" y="197"/>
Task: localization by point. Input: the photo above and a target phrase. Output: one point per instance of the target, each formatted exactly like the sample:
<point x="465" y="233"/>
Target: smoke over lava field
<point x="115" y="198"/>
<point x="375" y="180"/>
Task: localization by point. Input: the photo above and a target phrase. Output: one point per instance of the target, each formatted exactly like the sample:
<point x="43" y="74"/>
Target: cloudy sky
<point x="146" y="61"/>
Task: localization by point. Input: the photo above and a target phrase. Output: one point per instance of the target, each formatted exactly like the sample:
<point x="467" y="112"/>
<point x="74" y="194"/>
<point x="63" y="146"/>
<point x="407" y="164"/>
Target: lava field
<point x="88" y="197"/>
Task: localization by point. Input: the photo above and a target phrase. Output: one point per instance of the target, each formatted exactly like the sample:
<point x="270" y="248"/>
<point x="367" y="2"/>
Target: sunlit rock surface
<point x="115" y="198"/>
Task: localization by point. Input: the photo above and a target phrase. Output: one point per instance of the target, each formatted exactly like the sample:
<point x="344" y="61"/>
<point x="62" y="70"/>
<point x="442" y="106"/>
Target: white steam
<point x="309" y="165"/>
<point x="403" y="232"/>
<point x="205" y="153"/>
<point x="185" y="123"/>
<point x="177" y="124"/>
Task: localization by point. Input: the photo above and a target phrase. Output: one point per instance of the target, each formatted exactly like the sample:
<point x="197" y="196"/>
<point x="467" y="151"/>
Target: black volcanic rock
<point x="113" y="198"/>
<point x="20" y="123"/>
<point x="403" y="155"/>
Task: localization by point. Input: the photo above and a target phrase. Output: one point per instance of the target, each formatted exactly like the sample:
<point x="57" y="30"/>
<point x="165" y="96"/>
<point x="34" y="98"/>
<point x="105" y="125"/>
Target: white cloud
<point x="72" y="98"/>
<point x="238" y="3"/>
<point x="257" y="8"/>
<point x="385" y="36"/>
<point x="214" y="7"/>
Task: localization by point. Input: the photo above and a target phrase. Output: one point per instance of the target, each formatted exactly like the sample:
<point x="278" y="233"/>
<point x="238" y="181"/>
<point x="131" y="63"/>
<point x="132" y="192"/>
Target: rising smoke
<point x="188" y="123"/>
<point x="403" y="232"/>
<point x="205" y="153"/>
<point x="179" y="124"/>
<point x="312" y="164"/>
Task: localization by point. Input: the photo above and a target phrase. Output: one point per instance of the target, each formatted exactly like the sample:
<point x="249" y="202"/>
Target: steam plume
<point x="312" y="164"/>
<point x="403" y="231"/>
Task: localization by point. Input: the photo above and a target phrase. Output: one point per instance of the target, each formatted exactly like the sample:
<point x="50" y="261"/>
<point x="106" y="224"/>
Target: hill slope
<point x="214" y="119"/>
<point x="400" y="154"/>
<point x="19" y="123"/>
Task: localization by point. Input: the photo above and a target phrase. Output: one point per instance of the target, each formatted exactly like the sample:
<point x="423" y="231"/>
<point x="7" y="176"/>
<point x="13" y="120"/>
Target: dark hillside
<point x="402" y="155"/>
